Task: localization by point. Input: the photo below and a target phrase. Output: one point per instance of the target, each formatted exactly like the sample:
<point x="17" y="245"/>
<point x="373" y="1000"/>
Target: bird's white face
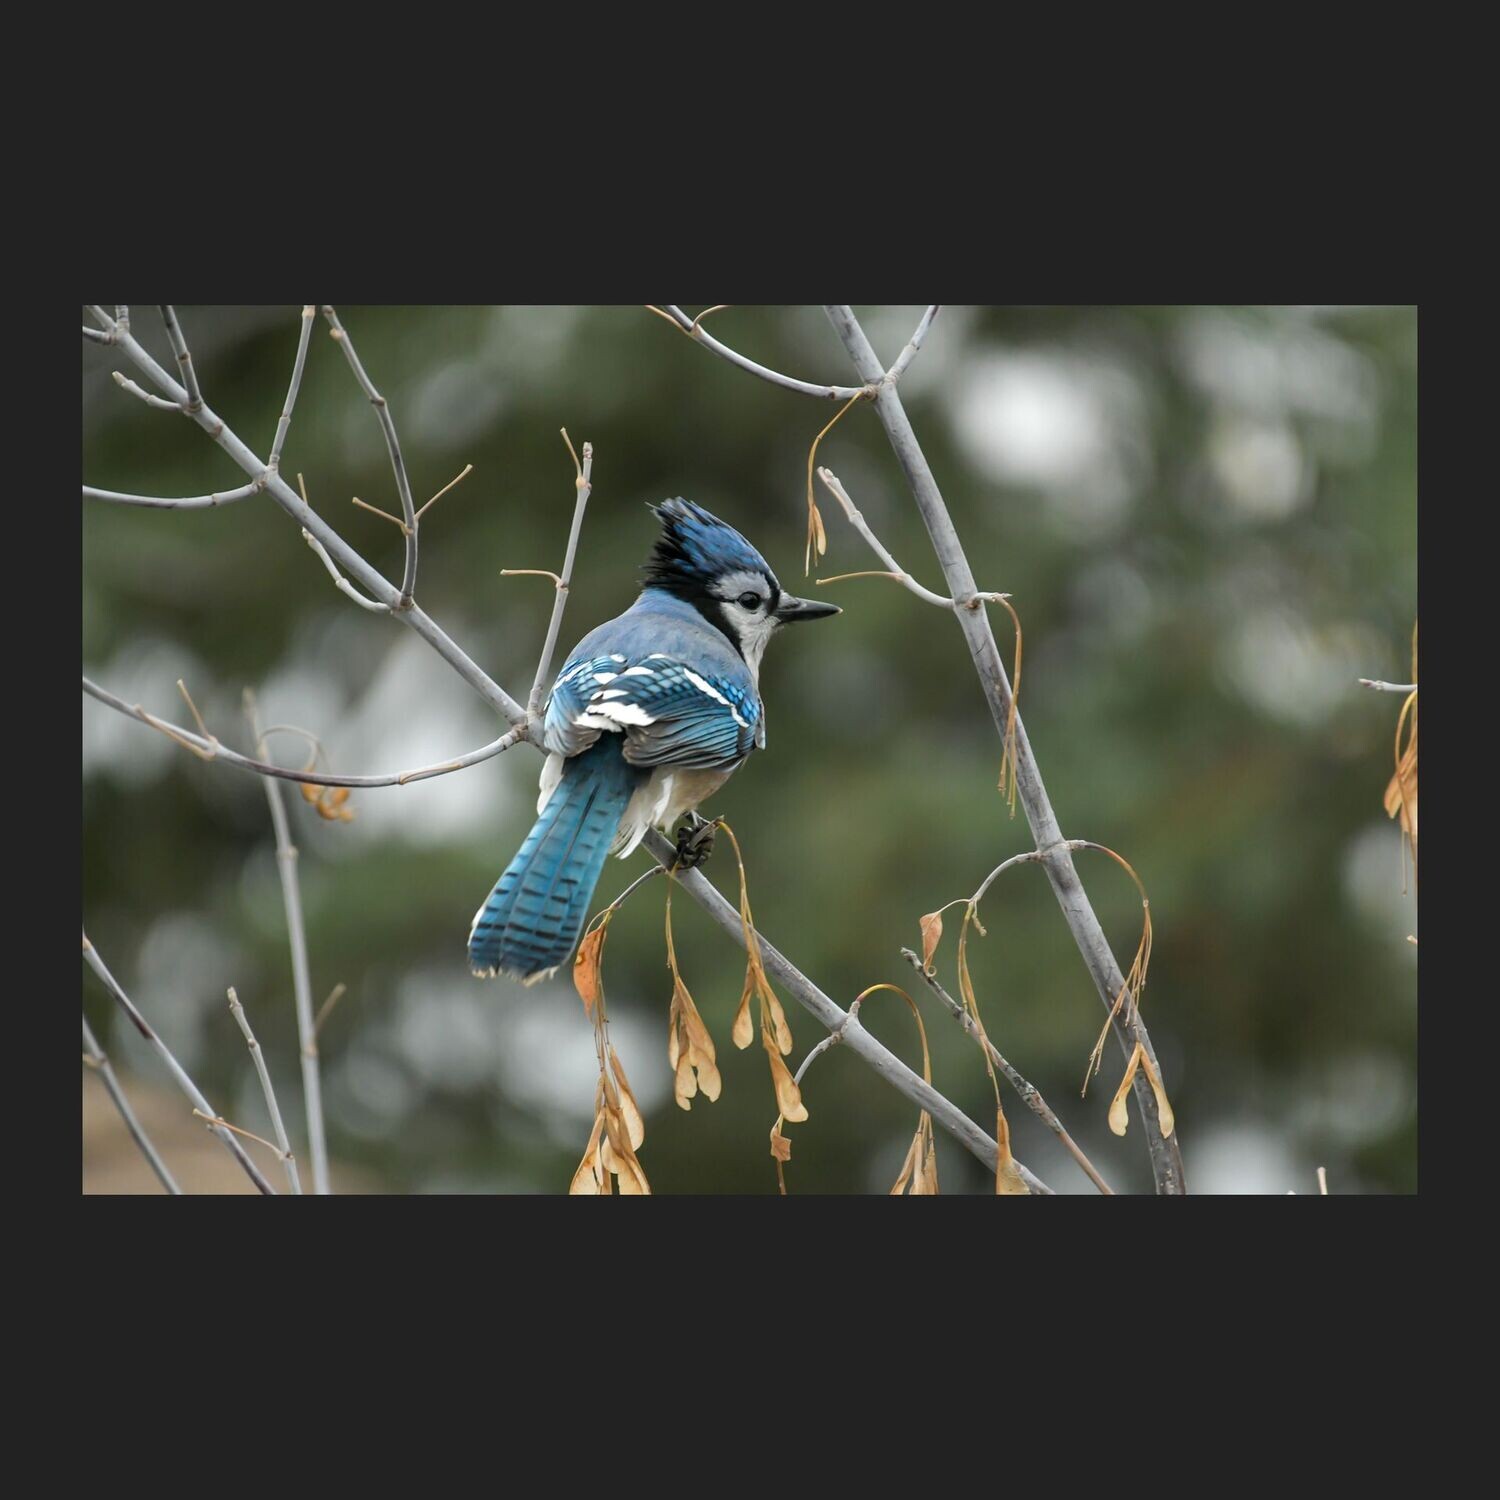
<point x="746" y="598"/>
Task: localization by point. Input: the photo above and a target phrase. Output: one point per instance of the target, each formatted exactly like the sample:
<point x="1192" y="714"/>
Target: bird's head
<point x="711" y="566"/>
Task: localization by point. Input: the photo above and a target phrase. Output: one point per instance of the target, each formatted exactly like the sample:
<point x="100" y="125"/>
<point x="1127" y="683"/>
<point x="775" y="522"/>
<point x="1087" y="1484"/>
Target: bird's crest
<point x="695" y="547"/>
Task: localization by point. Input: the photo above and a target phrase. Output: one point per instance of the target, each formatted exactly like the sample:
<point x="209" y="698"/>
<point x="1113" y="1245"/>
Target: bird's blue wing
<point x="670" y="714"/>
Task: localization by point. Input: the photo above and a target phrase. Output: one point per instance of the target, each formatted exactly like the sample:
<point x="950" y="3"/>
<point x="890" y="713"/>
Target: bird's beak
<point x="791" y="609"/>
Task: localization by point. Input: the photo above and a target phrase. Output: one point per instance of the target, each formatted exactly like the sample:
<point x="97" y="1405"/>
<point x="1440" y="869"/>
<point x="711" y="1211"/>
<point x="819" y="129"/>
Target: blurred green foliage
<point x="1207" y="519"/>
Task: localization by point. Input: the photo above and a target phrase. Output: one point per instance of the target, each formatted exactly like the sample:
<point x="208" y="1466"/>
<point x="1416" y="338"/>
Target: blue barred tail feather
<point x="530" y="922"/>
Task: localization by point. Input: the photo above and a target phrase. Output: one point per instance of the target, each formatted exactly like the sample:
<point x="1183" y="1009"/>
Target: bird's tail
<point x="530" y="922"/>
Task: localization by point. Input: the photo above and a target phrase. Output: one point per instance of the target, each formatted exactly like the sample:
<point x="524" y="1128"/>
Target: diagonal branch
<point x="835" y="1019"/>
<point x="1030" y="1095"/>
<point x="186" y="1084"/>
<point x="1166" y="1158"/>
<point x="94" y="1056"/>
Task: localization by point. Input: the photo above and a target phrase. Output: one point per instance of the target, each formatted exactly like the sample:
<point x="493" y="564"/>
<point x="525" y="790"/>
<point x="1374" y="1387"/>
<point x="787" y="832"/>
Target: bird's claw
<point x="695" y="842"/>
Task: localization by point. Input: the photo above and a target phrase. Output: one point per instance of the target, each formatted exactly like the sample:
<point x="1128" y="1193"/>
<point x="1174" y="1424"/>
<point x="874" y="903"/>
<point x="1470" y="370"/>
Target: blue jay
<point x="650" y="715"/>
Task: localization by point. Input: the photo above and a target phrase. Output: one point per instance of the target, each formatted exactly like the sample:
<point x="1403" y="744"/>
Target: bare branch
<point x="1030" y="1095"/>
<point x="583" y="484"/>
<point x="690" y="327"/>
<point x="193" y="502"/>
<point x="308" y="311"/>
<point x="258" y="1058"/>
<point x="97" y="336"/>
<point x="393" y="447"/>
<point x="186" y="1084"/>
<point x="1166" y="1157"/>
<point x="291" y="892"/>
<point x="194" y="401"/>
<point x="206" y="747"/>
<point x="857" y="520"/>
<point x="1388" y="687"/>
<point x="93" y="1055"/>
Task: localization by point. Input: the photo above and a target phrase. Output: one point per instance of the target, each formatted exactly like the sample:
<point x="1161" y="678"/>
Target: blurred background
<point x="1207" y="519"/>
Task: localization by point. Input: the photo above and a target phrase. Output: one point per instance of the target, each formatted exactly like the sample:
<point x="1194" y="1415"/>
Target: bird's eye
<point x="750" y="601"/>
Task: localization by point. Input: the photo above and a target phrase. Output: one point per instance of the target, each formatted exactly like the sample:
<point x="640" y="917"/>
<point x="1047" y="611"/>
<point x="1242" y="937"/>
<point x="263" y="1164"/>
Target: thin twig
<point x="1088" y="935"/>
<point x="258" y="1058"/>
<point x="326" y="1008"/>
<point x="393" y="448"/>
<point x="95" y="1056"/>
<point x="291" y="893"/>
<point x="210" y="748"/>
<point x="309" y="310"/>
<point x="1388" y="687"/>
<point x="583" y="485"/>
<point x="180" y="1077"/>
<point x="457" y="479"/>
<point x="155" y="402"/>
<point x="857" y="520"/>
<point x="250" y="1135"/>
<point x="192" y="502"/>
<point x="339" y="581"/>
<point x="1029" y="1093"/>
<point x="676" y="316"/>
<point x="194" y="401"/>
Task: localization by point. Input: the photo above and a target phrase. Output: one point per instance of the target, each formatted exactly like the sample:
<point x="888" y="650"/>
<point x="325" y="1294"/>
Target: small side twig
<point x="94" y="1056"/>
<point x="909" y="353"/>
<point x="341" y="583"/>
<point x="1388" y="687"/>
<point x="157" y="403"/>
<point x="258" y="1058"/>
<point x="583" y="484"/>
<point x="179" y="1075"/>
<point x="184" y="359"/>
<point x="309" y="310"/>
<point x="856" y="519"/>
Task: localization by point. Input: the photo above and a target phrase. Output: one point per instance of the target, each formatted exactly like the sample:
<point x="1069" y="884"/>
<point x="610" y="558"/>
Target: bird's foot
<point x="695" y="842"/>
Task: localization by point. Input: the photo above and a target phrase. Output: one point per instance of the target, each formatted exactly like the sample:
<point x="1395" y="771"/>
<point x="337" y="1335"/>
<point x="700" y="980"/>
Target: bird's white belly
<point x="664" y="799"/>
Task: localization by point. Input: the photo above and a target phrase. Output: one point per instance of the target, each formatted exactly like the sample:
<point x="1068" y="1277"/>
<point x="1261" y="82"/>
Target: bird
<point x="650" y="715"/>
